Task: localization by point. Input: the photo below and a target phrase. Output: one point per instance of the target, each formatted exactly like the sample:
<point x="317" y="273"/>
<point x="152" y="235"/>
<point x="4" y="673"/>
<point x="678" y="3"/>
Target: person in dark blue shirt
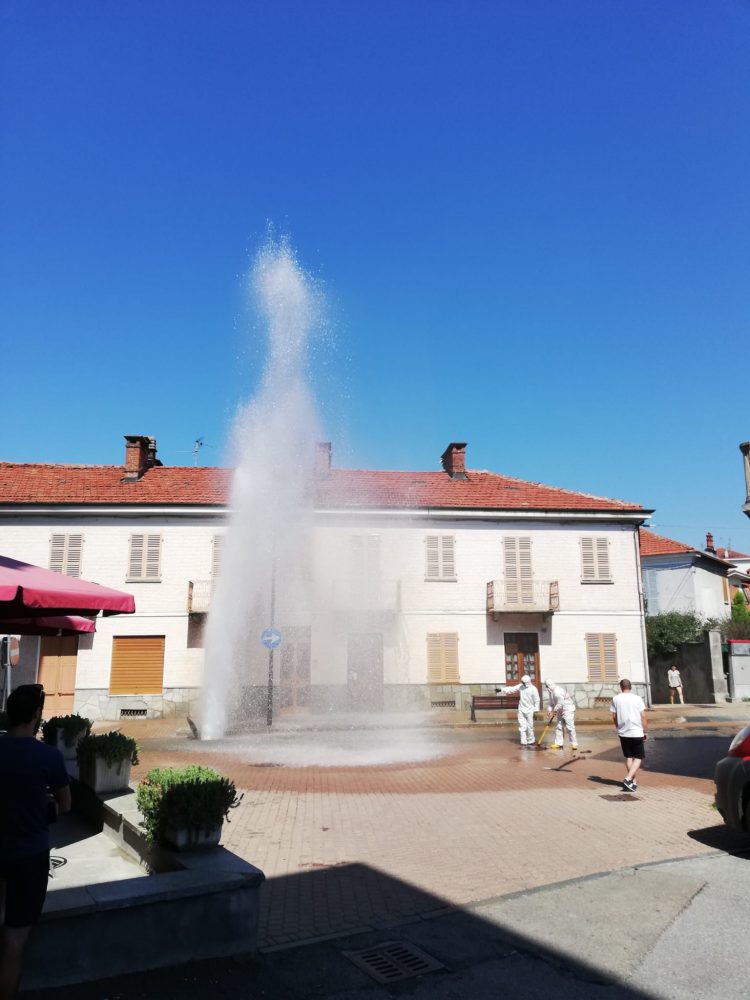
<point x="29" y="772"/>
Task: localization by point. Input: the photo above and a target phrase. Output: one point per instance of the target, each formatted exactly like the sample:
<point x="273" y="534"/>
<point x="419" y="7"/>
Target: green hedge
<point x="193" y="797"/>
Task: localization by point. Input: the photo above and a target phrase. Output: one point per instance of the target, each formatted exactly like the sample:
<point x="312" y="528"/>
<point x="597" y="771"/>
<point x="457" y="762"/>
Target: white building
<point x="431" y="586"/>
<point x="678" y="577"/>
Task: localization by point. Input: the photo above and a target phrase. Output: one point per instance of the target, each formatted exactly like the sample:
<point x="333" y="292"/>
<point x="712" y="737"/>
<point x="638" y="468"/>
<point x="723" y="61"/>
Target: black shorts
<point x="633" y="746"/>
<point x="25" y="888"/>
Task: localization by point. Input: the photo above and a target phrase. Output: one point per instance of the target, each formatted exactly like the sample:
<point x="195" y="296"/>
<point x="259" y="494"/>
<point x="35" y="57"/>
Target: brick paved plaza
<point x="345" y="848"/>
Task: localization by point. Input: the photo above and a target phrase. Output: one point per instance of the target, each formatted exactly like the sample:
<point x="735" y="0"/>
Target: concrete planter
<point x="190" y="839"/>
<point x="104" y="777"/>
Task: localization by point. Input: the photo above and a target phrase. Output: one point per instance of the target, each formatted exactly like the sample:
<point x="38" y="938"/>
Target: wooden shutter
<point x="442" y="658"/>
<point x="432" y="549"/>
<point x="145" y="557"/>
<point x="519" y="581"/>
<point x="218" y="542"/>
<point x="73" y="555"/>
<point x="594" y="559"/>
<point x="601" y="656"/>
<point x="57" y="554"/>
<point x="448" y="552"/>
<point x="65" y="554"/>
<point x="137" y="665"/>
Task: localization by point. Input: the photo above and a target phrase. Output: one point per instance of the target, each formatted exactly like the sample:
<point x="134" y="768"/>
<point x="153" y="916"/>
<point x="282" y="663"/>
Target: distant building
<point x="437" y="585"/>
<point x="679" y="577"/>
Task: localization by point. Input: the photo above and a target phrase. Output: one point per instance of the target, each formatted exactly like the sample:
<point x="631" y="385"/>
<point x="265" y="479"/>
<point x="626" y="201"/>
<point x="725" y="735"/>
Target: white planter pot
<point x="68" y="750"/>
<point x="184" y="839"/>
<point x="103" y="777"/>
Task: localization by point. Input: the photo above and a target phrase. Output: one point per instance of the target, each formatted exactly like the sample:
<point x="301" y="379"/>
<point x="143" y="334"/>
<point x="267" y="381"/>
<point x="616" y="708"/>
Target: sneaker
<point x="573" y="746"/>
<point x="629" y="786"/>
<point x="555" y="746"/>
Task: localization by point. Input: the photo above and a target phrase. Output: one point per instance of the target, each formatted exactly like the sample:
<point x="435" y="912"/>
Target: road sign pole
<point x="269" y="704"/>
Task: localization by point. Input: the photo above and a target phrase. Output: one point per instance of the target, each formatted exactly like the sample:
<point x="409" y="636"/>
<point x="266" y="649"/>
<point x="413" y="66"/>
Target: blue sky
<point x="530" y="220"/>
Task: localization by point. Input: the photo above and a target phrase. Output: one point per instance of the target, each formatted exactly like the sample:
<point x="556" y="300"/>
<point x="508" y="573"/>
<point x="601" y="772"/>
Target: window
<point x="519" y="582"/>
<point x="601" y="656"/>
<point x="595" y="560"/>
<point x="65" y="554"/>
<point x="442" y="658"/>
<point x="440" y="557"/>
<point x="145" y="558"/>
<point x="137" y="664"/>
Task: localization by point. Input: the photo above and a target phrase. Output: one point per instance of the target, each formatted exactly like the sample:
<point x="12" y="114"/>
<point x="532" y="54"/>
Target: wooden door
<point x="522" y="657"/>
<point x="57" y="672"/>
<point x="365" y="672"/>
<point x="294" y="672"/>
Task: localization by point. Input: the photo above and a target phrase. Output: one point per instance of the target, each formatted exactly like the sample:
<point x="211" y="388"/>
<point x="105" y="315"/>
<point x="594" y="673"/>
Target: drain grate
<point x="393" y="961"/>
<point x="132" y="713"/>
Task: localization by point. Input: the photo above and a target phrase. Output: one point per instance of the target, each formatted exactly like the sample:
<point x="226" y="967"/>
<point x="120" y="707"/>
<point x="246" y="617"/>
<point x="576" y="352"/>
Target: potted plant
<point x="105" y="759"/>
<point x="185" y="807"/>
<point x="65" y="732"/>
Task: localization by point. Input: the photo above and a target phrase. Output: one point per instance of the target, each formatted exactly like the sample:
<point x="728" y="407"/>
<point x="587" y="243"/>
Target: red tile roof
<point x="353" y="488"/>
<point x="657" y="545"/>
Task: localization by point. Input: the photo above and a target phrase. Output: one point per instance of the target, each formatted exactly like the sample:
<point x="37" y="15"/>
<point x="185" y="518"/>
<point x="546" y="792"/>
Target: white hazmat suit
<point x="561" y="704"/>
<point x="528" y="703"/>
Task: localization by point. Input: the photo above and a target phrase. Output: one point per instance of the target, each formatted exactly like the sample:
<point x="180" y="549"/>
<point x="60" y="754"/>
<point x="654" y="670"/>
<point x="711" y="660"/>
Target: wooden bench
<point x="480" y="702"/>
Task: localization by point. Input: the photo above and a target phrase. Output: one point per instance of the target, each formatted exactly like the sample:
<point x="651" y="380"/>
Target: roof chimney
<point x="322" y="459"/>
<point x="710" y="543"/>
<point x="140" y="455"/>
<point x="453" y="460"/>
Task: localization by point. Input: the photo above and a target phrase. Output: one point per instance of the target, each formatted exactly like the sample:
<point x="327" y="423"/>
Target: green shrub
<point x="193" y="797"/>
<point x="666" y="631"/>
<point x="112" y="747"/>
<point x="70" y="725"/>
<point x="739" y="608"/>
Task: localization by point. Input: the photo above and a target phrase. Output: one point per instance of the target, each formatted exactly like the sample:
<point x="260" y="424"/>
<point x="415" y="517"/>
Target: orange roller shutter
<point x="137" y="665"/>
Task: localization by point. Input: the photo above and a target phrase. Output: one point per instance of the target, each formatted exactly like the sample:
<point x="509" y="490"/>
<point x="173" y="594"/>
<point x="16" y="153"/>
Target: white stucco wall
<point x="682" y="583"/>
<point x="326" y="597"/>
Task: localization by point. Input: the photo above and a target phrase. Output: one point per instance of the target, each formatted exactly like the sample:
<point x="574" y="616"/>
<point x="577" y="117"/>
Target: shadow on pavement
<point x="604" y="781"/>
<point x="723" y="838"/>
<point x="478" y="957"/>
<point x="682" y="755"/>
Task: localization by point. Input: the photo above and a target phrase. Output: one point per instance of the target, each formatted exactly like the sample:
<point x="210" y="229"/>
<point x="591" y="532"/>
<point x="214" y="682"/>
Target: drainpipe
<point x="644" y="642"/>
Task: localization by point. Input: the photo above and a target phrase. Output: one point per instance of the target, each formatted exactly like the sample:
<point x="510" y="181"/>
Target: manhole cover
<point x="392" y="961"/>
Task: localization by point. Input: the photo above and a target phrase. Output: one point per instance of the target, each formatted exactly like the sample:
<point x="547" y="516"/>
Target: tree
<point x="739" y="608"/>
<point x="666" y="631"/>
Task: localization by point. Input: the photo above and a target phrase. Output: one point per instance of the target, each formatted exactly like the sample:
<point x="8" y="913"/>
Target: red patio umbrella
<point x="52" y="625"/>
<point x="28" y="591"/>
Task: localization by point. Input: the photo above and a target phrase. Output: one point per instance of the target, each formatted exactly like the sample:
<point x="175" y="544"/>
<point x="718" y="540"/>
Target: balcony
<point x="504" y="596"/>
<point x="366" y="594"/>
<point x="199" y="596"/>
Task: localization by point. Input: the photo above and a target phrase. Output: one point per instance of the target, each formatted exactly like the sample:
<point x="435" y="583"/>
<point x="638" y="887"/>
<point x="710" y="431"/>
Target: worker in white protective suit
<point x="561" y="704"/>
<point x="528" y="703"/>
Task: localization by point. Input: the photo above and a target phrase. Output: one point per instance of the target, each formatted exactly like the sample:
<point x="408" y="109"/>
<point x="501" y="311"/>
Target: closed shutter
<point x="365" y="556"/>
<point x="57" y="554"/>
<point x="432" y="549"/>
<point x="216" y="556"/>
<point x="519" y="581"/>
<point x="601" y="656"/>
<point x="145" y="557"/>
<point x="594" y="559"/>
<point x="65" y="554"/>
<point x="448" y="549"/>
<point x="442" y="658"/>
<point x="440" y="557"/>
<point x="137" y="665"/>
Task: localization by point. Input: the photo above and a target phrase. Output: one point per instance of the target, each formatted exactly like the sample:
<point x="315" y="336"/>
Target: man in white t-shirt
<point x="629" y="716"/>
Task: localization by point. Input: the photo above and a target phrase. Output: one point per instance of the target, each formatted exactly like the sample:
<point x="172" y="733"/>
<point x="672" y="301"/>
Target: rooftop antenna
<point x="197" y="445"/>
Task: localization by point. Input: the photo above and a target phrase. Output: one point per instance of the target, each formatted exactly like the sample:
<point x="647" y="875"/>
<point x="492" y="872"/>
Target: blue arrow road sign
<point x="271" y="638"/>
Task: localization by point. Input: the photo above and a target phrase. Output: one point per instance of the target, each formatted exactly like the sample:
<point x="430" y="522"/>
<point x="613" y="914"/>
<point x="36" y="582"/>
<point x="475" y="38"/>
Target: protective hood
<point x="526" y="680"/>
<point x="550" y="685"/>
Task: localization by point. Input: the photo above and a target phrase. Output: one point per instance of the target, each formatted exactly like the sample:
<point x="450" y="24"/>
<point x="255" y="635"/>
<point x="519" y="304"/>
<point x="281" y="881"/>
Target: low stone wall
<point x="200" y="904"/>
<point x="98" y="704"/>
